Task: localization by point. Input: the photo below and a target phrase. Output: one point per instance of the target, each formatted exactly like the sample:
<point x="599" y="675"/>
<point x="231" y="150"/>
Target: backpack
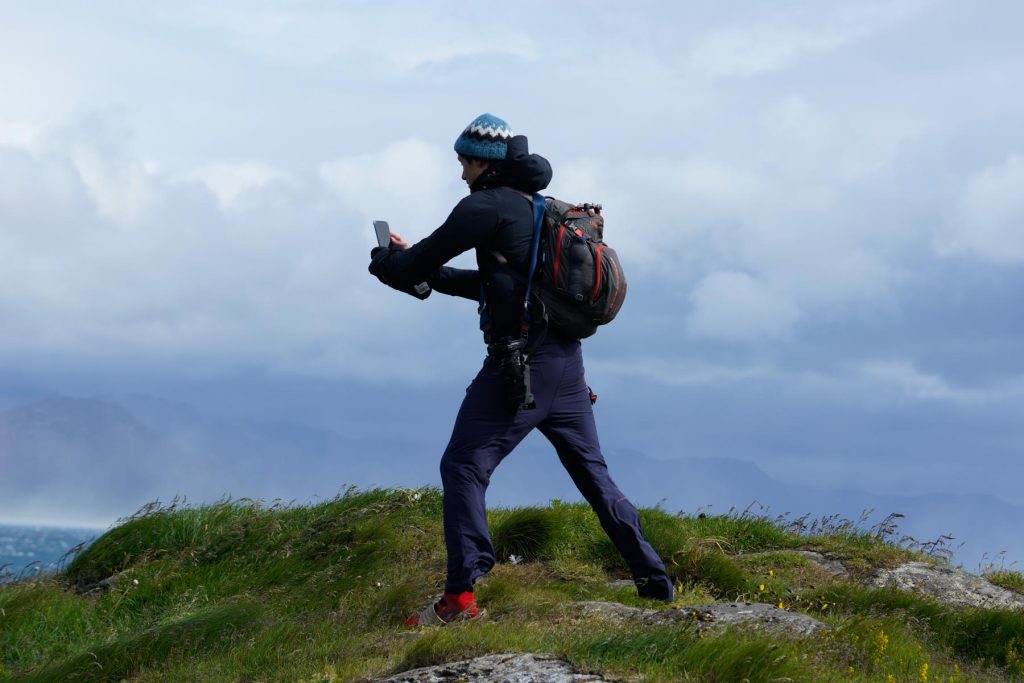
<point x="579" y="278"/>
<point x="574" y="276"/>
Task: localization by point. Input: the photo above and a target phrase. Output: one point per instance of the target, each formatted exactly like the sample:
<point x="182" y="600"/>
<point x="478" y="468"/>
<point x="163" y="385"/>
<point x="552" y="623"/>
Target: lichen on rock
<point x="703" y="617"/>
<point x="947" y="585"/>
<point x="507" y="667"/>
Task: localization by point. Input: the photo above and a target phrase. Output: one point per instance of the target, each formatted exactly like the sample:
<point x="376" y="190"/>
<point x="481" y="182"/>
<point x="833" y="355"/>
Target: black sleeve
<point x="456" y="282"/>
<point x="472" y="222"/>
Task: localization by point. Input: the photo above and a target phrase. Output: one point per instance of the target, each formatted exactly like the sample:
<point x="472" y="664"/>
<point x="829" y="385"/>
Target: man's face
<point x="471" y="169"/>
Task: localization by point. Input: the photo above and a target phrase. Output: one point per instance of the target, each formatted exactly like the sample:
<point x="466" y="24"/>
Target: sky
<point x="818" y="207"/>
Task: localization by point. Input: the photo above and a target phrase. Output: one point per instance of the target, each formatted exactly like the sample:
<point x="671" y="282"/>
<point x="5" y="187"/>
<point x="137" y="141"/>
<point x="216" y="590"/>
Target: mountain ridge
<point x="110" y="455"/>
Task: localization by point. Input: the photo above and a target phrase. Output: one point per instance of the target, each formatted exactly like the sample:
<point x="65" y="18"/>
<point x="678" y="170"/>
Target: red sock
<point x="458" y="601"/>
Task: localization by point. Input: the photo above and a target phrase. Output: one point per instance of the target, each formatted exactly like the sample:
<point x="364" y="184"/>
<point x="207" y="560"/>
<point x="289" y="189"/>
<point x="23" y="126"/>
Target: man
<point x="497" y="220"/>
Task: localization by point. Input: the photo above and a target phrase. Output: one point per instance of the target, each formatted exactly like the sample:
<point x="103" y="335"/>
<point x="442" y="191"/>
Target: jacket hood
<point x="519" y="170"/>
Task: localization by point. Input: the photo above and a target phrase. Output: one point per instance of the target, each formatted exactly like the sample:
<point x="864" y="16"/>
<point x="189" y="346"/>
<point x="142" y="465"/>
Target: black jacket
<point x="494" y="217"/>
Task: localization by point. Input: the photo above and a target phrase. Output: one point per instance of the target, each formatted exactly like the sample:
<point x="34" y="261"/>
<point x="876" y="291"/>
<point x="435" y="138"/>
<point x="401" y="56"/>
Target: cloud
<point x="657" y="208"/>
<point x="913" y="383"/>
<point x="232" y="263"/>
<point x="409" y="182"/>
<point x="668" y="370"/>
<point x="734" y="306"/>
<point x="794" y="236"/>
<point x="18" y="133"/>
<point x="230" y="181"/>
<point x="368" y="40"/>
<point x="763" y="44"/>
<point x="780" y="185"/>
<point x="989" y="219"/>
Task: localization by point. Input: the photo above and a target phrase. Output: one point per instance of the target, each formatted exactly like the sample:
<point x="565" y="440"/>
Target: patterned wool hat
<point x="486" y="138"/>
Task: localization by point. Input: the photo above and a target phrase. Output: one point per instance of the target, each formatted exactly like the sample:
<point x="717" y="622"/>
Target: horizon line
<point x="57" y="524"/>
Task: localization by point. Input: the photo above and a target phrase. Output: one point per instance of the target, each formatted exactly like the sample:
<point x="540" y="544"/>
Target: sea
<point x="30" y="550"/>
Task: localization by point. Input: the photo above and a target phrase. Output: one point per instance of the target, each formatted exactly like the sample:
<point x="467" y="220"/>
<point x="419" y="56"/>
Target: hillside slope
<point x="238" y="591"/>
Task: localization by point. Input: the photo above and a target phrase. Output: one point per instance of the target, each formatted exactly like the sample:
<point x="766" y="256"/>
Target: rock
<point x="947" y="585"/>
<point x="93" y="589"/>
<point x="613" y="611"/>
<point x="758" y="614"/>
<point x="110" y="580"/>
<point x="702" y="617"/>
<point x="504" y="668"/>
<point x="830" y="565"/>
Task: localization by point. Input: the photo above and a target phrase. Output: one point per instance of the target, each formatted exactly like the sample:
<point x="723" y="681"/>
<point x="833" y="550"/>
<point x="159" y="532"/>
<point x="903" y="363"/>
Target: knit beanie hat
<point x="485" y="138"/>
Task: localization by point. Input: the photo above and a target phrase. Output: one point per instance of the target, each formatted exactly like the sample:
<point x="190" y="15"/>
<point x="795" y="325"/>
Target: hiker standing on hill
<point x="497" y="219"/>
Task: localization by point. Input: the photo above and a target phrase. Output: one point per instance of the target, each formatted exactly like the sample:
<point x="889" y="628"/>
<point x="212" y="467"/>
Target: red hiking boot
<point x="451" y="607"/>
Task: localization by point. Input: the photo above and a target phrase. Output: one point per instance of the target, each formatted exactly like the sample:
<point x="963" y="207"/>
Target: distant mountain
<point x="982" y="526"/>
<point x="14" y="391"/>
<point x="64" y="457"/>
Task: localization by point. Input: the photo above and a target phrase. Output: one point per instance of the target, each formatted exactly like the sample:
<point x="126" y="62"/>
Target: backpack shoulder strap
<point x="539" y="204"/>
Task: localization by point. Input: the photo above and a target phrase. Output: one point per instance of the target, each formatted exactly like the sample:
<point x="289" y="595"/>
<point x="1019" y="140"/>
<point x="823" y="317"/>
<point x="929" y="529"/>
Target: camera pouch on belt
<point x="515" y="373"/>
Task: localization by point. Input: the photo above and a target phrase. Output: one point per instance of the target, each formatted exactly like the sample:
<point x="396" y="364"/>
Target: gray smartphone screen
<point x="383" y="233"/>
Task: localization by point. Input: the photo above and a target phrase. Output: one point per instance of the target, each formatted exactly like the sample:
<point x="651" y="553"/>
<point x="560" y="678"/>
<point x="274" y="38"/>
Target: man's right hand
<point x="378" y="258"/>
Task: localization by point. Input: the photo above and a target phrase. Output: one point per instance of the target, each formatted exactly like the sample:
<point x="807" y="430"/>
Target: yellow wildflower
<point x="881" y="641"/>
<point x="771" y="572"/>
<point x="923" y="674"/>
<point x="760" y="587"/>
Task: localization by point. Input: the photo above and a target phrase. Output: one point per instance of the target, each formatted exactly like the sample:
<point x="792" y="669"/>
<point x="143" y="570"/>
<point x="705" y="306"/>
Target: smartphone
<point x="383" y="232"/>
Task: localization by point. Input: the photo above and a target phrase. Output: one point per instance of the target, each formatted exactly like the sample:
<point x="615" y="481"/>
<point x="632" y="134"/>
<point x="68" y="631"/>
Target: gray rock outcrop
<point x="504" y="668"/>
<point x="703" y="617"/>
<point x="947" y="585"/>
<point x="830" y="565"/>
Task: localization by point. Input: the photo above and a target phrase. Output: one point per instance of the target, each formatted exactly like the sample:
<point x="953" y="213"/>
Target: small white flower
<point x="135" y="581"/>
<point x="514" y="559"/>
<point x="379" y="584"/>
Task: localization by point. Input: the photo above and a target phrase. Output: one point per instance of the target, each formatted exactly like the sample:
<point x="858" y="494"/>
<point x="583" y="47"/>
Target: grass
<point x="239" y="590"/>
<point x="1004" y="578"/>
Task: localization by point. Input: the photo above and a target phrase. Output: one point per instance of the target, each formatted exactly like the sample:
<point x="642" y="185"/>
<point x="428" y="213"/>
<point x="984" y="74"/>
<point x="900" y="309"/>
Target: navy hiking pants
<point x="485" y="432"/>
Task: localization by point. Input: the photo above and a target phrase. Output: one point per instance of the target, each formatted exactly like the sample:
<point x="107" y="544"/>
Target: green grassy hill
<point x="239" y="591"/>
